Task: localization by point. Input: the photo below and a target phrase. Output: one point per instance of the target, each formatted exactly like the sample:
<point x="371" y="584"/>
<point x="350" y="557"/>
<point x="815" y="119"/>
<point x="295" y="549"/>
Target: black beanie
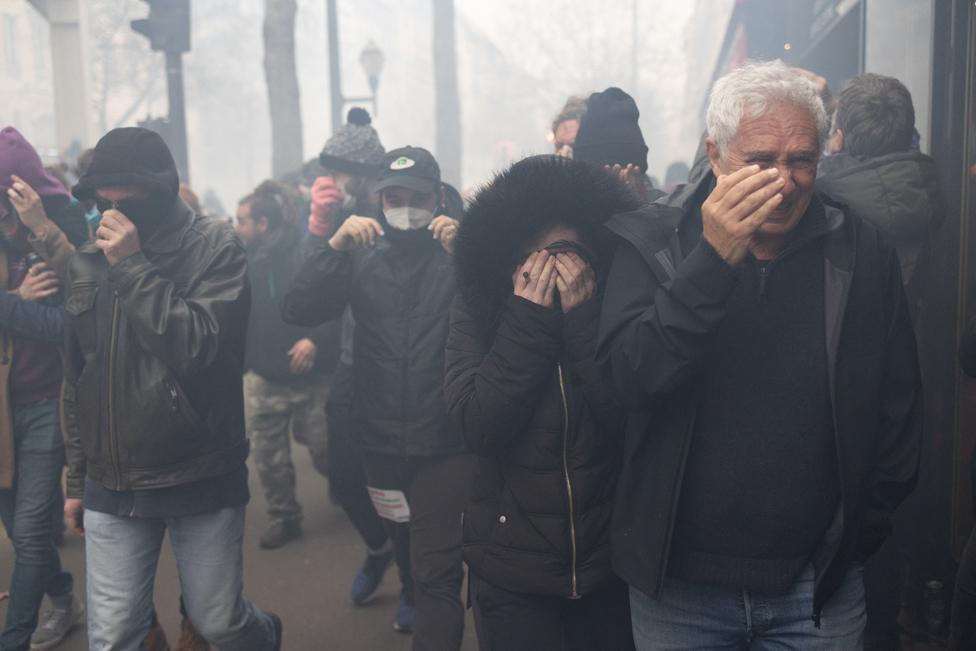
<point x="609" y="132"/>
<point x="130" y="156"/>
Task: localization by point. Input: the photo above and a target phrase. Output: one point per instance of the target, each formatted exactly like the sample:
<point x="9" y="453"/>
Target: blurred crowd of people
<point x="636" y="417"/>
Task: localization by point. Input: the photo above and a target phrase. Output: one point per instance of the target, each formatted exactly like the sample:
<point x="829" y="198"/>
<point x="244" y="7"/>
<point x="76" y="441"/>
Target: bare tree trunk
<point x="447" y="110"/>
<point x="282" y="78"/>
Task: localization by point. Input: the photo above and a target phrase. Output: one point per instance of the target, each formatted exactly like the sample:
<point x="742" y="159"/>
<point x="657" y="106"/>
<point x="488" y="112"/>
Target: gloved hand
<point x="327" y="199"/>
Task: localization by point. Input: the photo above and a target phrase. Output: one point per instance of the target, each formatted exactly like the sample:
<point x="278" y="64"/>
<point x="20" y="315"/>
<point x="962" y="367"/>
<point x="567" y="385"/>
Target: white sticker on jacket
<point x="390" y="505"/>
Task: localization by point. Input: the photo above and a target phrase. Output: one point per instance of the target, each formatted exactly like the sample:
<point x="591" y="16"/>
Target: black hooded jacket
<point x="154" y="346"/>
<point x="522" y="384"/>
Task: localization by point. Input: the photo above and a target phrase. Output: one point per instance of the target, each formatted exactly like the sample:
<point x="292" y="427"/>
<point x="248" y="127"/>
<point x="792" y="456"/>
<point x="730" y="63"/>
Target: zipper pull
<point x="763" y="274"/>
<point x="174" y="399"/>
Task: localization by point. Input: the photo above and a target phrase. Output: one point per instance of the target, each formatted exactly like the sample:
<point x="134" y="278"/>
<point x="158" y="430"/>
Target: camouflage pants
<point x="275" y="412"/>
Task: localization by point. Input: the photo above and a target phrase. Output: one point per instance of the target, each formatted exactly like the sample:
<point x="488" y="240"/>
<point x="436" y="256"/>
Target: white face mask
<point x="408" y="218"/>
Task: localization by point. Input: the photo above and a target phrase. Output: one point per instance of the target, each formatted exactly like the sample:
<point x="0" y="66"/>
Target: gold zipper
<point x="569" y="482"/>
<point x="113" y="448"/>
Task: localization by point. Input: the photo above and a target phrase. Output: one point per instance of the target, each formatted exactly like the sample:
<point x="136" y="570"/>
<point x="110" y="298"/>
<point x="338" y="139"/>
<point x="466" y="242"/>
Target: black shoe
<point x="278" y="629"/>
<point x="280" y="533"/>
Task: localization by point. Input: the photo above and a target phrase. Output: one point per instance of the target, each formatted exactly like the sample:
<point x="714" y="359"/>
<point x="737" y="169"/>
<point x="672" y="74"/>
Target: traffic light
<point x="168" y="25"/>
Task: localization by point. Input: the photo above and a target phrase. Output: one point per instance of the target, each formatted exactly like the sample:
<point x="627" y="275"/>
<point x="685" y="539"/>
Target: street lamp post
<point x="371" y="59"/>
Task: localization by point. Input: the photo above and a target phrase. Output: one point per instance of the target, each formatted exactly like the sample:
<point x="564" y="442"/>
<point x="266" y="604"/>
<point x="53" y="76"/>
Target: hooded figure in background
<point x="153" y="404"/>
<point x="610" y="136"/>
<point x="522" y="384"/>
<point x="31" y="443"/>
<point x="877" y="171"/>
<point x="45" y="208"/>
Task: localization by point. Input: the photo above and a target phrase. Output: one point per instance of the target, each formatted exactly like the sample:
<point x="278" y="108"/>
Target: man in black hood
<point x="153" y="405"/>
<point x="610" y="135"/>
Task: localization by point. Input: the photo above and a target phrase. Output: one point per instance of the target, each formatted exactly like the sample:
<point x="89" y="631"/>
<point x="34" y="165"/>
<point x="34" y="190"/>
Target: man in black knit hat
<point x="153" y="406"/>
<point x="610" y="135"/>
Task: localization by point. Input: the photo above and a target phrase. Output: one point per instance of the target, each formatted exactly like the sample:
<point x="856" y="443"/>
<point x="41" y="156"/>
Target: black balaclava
<point x="137" y="157"/>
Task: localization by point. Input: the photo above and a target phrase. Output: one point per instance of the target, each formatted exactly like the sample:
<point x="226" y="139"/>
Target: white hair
<point x="753" y="90"/>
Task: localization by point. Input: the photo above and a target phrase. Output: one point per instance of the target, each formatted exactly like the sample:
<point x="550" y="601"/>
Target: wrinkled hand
<point x="74" y="516"/>
<point x="327" y="199"/>
<point x="445" y="229"/>
<point x="28" y="204"/>
<point x="356" y="233"/>
<point x="302" y="356"/>
<point x="631" y="176"/>
<point x="575" y="280"/>
<point x="737" y="207"/>
<point x="535" y="279"/>
<point x="117" y="237"/>
<point x="39" y="283"/>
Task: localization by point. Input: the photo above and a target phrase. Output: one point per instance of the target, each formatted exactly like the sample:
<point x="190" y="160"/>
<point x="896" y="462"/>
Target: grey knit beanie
<point x="355" y="148"/>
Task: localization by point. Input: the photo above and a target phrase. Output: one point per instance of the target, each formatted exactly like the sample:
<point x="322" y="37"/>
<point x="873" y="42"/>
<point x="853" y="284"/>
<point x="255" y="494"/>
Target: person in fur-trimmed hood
<point x="522" y="385"/>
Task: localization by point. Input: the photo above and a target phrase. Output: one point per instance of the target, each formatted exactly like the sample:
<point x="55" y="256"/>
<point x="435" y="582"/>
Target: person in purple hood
<point x="32" y="454"/>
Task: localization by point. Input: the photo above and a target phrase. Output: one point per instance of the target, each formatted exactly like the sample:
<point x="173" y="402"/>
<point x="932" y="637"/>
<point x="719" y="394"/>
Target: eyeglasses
<point x="102" y="205"/>
<point x="124" y="206"/>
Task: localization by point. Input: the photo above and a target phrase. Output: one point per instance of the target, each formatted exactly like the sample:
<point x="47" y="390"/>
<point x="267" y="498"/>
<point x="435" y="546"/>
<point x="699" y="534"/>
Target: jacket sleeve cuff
<point x="530" y="325"/>
<point x="74" y="487"/>
<point x="125" y="273"/>
<point x="580" y="329"/>
<point x="708" y="272"/>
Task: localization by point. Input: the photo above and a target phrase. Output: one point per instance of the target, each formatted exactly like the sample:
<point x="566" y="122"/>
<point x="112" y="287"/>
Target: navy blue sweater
<point x="761" y="482"/>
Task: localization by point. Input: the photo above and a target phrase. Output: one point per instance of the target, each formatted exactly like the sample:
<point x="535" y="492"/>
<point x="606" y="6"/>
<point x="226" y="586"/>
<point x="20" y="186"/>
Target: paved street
<point x="306" y="582"/>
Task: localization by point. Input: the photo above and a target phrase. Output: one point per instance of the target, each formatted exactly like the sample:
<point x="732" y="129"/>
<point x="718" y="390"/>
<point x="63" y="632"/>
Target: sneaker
<point x="369" y="576"/>
<point x="279" y="630"/>
<point x="405" y="615"/>
<point x="56" y="623"/>
<point x="279" y="534"/>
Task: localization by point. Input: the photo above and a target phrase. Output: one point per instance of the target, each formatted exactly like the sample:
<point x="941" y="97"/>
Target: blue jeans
<point x="122" y="554"/>
<point x="693" y="616"/>
<point x="27" y="513"/>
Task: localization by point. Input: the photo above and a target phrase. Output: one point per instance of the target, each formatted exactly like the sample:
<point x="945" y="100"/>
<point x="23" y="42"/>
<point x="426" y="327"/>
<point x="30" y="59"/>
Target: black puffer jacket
<point x="400" y="293"/>
<point x="522" y="383"/>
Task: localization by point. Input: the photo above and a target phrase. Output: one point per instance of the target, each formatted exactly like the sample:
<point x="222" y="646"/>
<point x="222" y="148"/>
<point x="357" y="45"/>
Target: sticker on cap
<point x="402" y="163"/>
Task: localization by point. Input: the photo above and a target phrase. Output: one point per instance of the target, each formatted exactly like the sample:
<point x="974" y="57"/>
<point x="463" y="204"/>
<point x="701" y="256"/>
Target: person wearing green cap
<point x="395" y="272"/>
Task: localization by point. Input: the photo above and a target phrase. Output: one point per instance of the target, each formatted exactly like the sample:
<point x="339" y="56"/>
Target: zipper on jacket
<point x="764" y="268"/>
<point x="113" y="344"/>
<point x="174" y="398"/>
<point x="569" y="482"/>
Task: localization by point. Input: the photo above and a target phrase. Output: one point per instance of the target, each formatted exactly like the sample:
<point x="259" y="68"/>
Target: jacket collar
<point x="169" y="237"/>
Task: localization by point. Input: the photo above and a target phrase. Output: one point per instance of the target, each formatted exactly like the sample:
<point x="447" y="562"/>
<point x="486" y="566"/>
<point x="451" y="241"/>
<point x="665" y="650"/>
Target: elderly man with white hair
<point x="760" y="338"/>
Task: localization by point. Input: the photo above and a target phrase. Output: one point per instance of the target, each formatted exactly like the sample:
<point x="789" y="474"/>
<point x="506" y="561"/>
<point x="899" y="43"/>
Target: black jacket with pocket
<point x="154" y="354"/>
<point x="400" y="293"/>
<point x="661" y="308"/>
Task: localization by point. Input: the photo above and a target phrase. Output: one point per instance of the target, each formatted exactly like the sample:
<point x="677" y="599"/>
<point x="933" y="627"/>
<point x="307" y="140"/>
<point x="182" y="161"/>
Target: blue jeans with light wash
<point x="27" y="514"/>
<point x="697" y="617"/>
<point x="122" y="554"/>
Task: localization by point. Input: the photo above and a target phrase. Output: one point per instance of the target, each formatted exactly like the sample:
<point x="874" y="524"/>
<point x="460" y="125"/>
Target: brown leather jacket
<point x="55" y="249"/>
<point x="154" y="355"/>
